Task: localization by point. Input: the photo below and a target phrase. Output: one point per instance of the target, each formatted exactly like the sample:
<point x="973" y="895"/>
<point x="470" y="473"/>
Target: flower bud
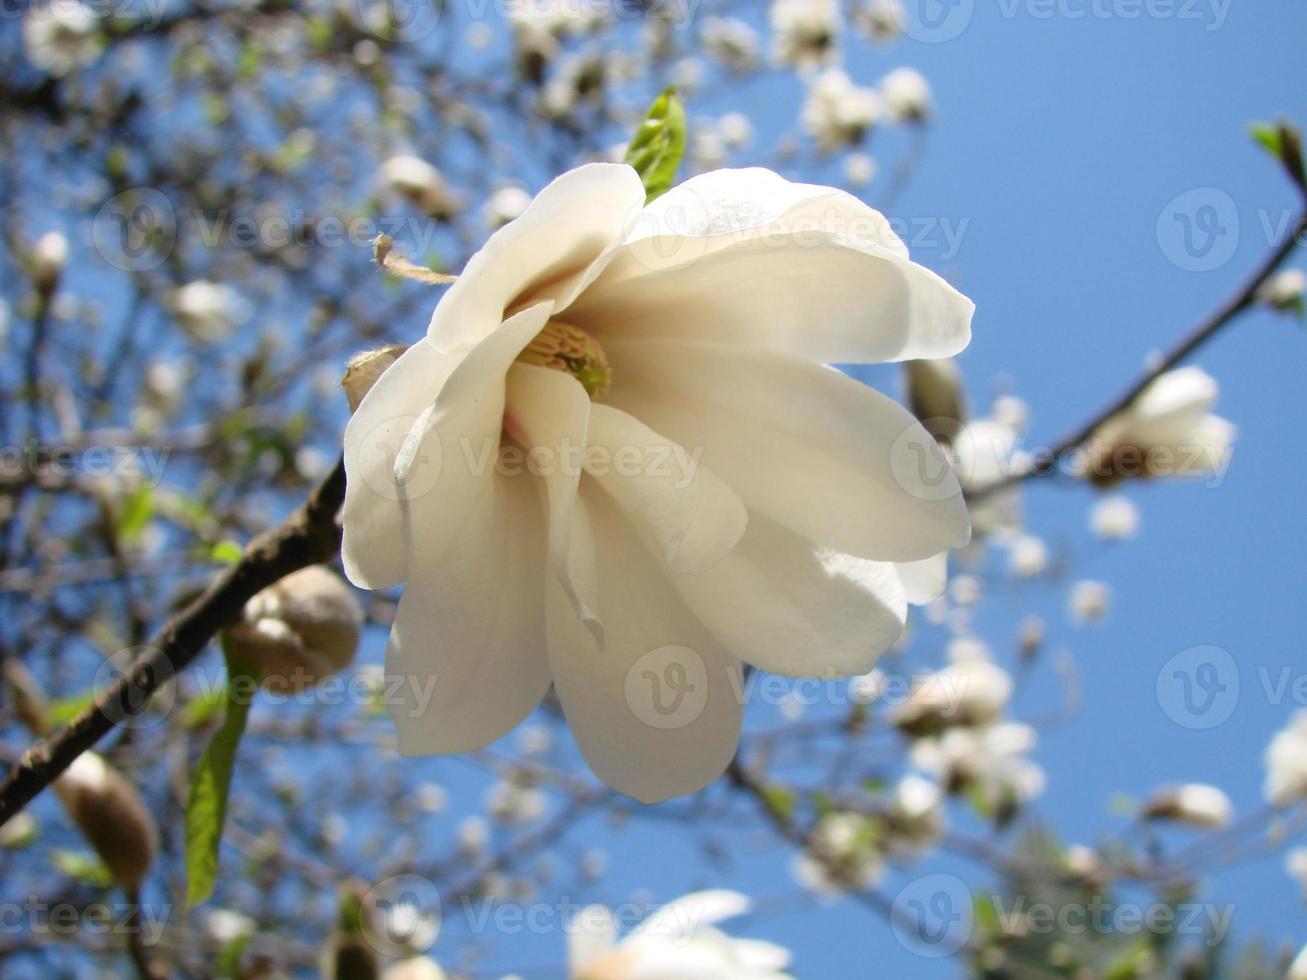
<point x="907" y="95"/>
<point x="935" y="395"/>
<point x="49" y="256"/>
<point x="970" y="692"/>
<point x="413" y="178"/>
<point x="363" y="370"/>
<point x="417" y="968"/>
<point x="1194" y="804"/>
<point x="348" y="956"/>
<point x="111" y="815"/>
<point x="300" y="630"/>
<point x="1284" y="291"/>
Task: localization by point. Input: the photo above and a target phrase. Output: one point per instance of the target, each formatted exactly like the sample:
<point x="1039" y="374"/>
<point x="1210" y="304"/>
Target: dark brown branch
<point x="307" y="537"/>
<point x="1243" y="299"/>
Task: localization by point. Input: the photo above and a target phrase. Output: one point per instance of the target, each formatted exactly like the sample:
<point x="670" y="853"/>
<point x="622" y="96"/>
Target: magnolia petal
<point x="466" y="659"/>
<point x="682" y="918"/>
<point x="657" y="711"/>
<point x="710" y="256"/>
<point x="548" y="413"/>
<point x="686" y="513"/>
<point x="452" y="448"/>
<point x="729" y="204"/>
<point x="591" y="935"/>
<point x="825" y="455"/>
<point x="814" y="296"/>
<point x="794" y="608"/>
<point x="549" y="253"/>
<point x="372" y="548"/>
<point x="924" y="581"/>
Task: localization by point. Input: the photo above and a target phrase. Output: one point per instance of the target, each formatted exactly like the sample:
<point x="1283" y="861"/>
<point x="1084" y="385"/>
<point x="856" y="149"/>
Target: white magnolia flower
<point x="732" y="43"/>
<point x="907" y="95"/>
<point x="1284" y="291"/>
<point x="678" y="940"/>
<point x="990" y="760"/>
<point x="969" y="692"/>
<point x="805" y="33"/>
<point x="1114" y="518"/>
<point x="61" y="36"/>
<point x="1298" y="968"/>
<point x="207" y="309"/>
<point x="1195" y="804"/>
<point x="859" y="169"/>
<point x="700" y="488"/>
<point x="837" y="112"/>
<point x="843" y="854"/>
<point x="1169" y="430"/>
<point x="418" y="181"/>
<point x="880" y="19"/>
<point x="1286" y="763"/>
<point x="1089" y="601"/>
<point x="1295" y="863"/>
<point x="1028" y="556"/>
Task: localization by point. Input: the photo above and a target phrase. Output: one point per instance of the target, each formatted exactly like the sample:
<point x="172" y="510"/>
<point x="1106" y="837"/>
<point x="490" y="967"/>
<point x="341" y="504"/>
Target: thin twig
<point x="1243" y="299"/>
<point x="307" y="537"/>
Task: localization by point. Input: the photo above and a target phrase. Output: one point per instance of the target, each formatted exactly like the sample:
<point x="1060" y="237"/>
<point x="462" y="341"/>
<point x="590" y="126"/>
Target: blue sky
<point x="1060" y="147"/>
<point x="1059" y="143"/>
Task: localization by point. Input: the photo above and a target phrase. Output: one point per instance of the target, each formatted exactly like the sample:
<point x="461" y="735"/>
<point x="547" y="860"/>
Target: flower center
<point x="564" y="347"/>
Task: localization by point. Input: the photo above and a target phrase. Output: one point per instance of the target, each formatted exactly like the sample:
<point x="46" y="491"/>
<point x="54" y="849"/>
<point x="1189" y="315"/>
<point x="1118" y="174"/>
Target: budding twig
<point x="1242" y="300"/>
<point x="384" y="254"/>
<point x="308" y="536"/>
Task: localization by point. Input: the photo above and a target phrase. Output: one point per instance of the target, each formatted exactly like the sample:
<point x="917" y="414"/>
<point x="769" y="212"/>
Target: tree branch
<point x="1243" y="299"/>
<point x="307" y="537"/>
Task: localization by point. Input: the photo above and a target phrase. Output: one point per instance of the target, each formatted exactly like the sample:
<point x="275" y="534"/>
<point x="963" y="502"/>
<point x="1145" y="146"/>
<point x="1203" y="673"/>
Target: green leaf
<point x="206" y="805"/>
<point x="203" y="707"/>
<point x="61" y="711"/>
<point x="137" y="512"/>
<point x="229" y="960"/>
<point x="86" y="868"/>
<point x="1283" y="141"/>
<point x="781" y="800"/>
<point x="658" y="145"/>
<point x="226" y="552"/>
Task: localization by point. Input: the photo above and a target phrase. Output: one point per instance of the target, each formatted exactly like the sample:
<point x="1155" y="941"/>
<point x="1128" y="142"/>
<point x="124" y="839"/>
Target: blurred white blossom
<point x="60" y="36"/>
<point x="678" y="940"/>
<point x="837" y="112"/>
<point x="1115" y="518"/>
<point x="907" y="95"/>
